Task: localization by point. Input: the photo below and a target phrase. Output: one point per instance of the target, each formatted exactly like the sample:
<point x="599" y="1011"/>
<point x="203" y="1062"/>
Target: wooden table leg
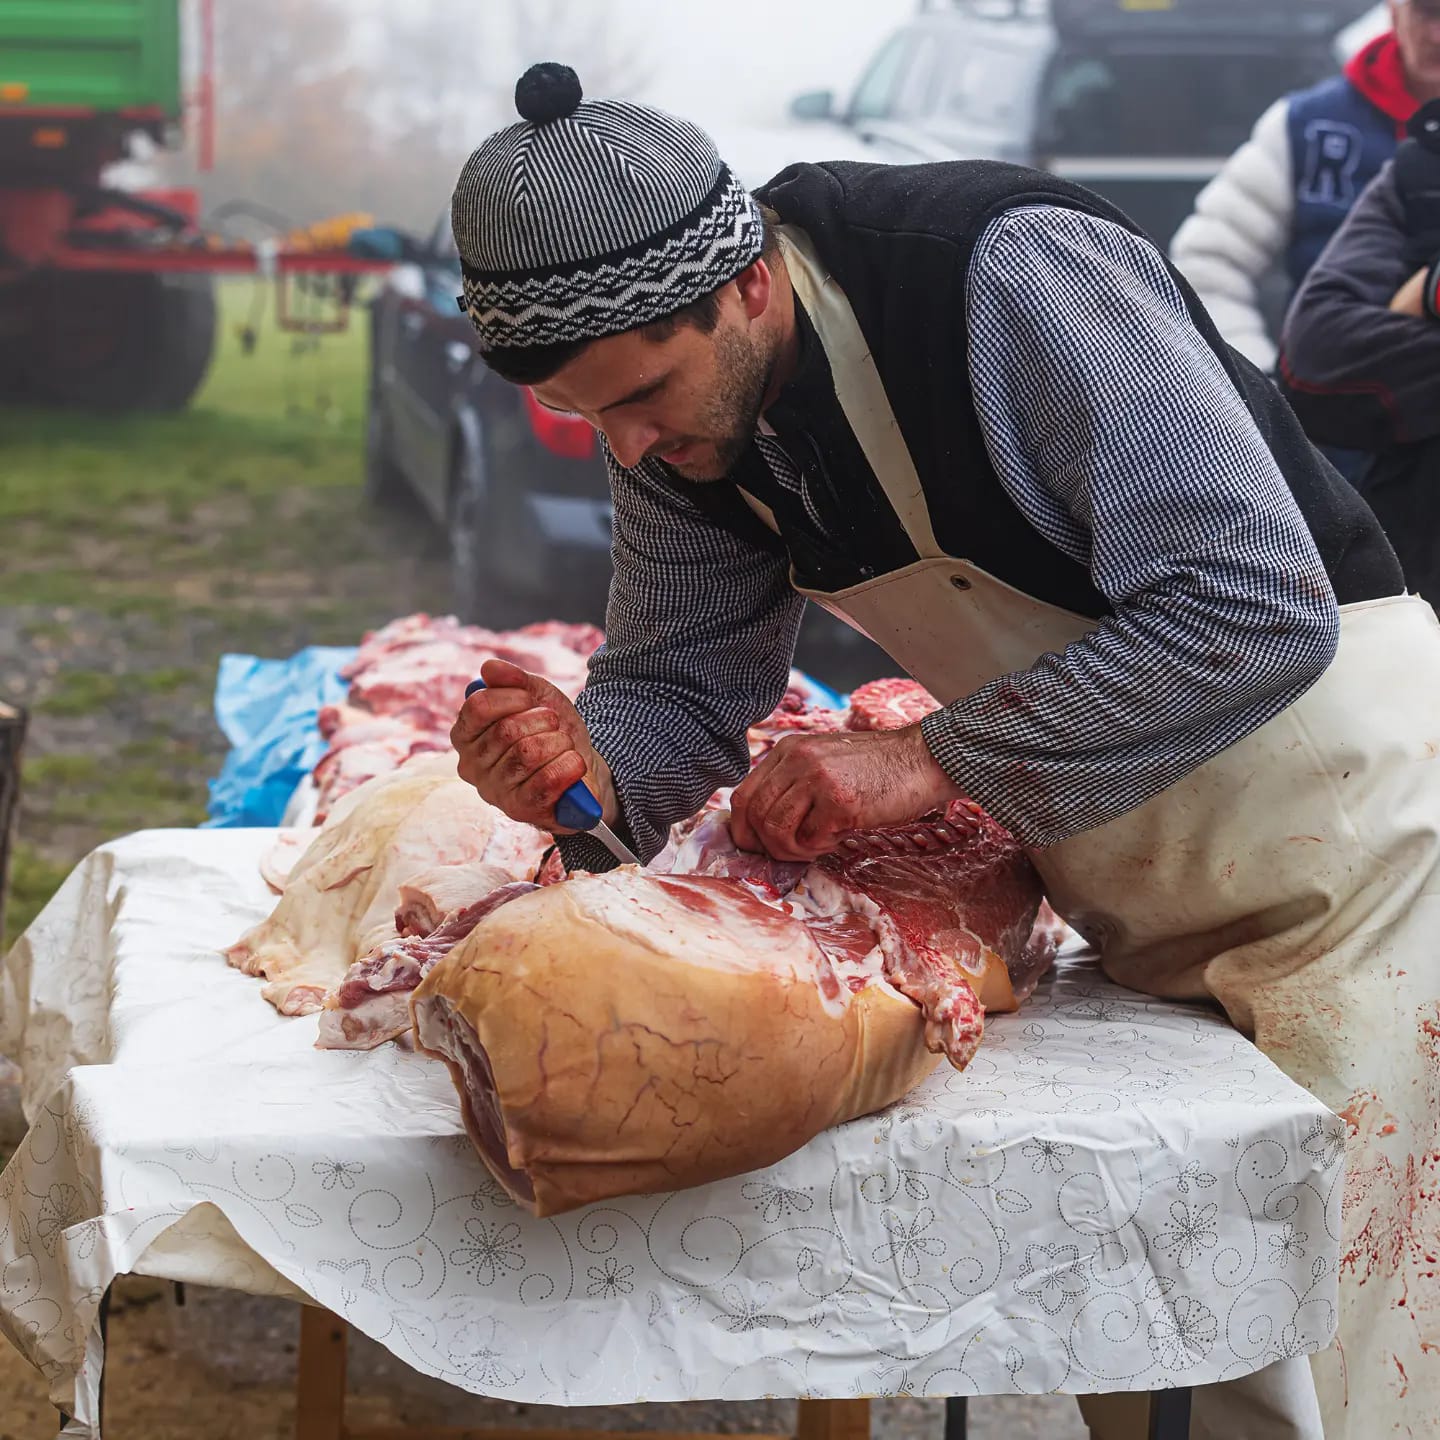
<point x="833" y="1420"/>
<point x="104" y="1320"/>
<point x="12" y="742"/>
<point x="320" y="1376"/>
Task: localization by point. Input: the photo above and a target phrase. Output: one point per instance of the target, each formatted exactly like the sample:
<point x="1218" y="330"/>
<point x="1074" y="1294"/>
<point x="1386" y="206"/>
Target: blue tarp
<point x="267" y="711"/>
<point x="821" y="697"/>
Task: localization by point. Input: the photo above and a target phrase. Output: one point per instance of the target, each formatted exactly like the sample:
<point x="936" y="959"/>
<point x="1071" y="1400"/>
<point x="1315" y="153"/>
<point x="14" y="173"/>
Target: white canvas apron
<point x="1293" y="878"/>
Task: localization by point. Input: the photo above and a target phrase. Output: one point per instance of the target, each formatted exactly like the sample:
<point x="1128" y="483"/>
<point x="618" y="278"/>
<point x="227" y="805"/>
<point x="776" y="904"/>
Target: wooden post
<point x="12" y="742"/>
<point x="833" y="1420"/>
<point x="1121" y="1415"/>
<point x="320" y="1377"/>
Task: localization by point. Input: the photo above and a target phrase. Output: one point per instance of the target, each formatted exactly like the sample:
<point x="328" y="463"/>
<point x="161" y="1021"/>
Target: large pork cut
<point x="634" y="1031"/>
<point x="623" y="1033"/>
<point x="340" y="897"/>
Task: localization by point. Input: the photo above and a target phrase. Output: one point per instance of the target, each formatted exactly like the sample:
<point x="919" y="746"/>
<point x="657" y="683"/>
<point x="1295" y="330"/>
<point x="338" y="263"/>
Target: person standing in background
<point x="1360" y="356"/>
<point x="1285" y="192"/>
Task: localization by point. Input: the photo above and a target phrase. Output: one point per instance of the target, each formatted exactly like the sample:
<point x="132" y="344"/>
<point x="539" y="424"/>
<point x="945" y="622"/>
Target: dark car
<point x="520" y="491"/>
<point x="1140" y="100"/>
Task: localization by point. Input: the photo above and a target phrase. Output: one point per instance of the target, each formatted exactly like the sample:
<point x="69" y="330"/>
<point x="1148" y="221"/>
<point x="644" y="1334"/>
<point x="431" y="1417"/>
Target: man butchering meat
<point x="972" y="410"/>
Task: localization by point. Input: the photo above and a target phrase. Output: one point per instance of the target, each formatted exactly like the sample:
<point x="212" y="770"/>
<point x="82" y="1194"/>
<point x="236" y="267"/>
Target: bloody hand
<point x="522" y="744"/>
<point x="811" y="790"/>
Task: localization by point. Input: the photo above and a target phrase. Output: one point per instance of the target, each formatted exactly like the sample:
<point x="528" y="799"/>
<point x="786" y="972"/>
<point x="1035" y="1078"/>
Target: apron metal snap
<point x="959" y="582"/>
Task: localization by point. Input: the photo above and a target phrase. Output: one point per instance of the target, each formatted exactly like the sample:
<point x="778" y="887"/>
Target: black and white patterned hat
<point x="591" y="218"/>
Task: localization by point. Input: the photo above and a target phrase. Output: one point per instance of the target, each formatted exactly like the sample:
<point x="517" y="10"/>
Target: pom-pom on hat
<point x="593" y="216"/>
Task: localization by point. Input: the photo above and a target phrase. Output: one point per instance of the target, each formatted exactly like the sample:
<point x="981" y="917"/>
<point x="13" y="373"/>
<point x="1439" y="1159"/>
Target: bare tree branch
<point x="315" y="117"/>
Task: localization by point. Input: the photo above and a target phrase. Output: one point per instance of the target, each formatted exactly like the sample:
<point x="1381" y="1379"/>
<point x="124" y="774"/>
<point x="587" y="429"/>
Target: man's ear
<point x="756" y="284"/>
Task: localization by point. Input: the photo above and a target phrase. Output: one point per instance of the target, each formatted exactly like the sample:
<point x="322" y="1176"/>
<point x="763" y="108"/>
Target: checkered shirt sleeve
<point x="1116" y="431"/>
<point x="700" y="632"/>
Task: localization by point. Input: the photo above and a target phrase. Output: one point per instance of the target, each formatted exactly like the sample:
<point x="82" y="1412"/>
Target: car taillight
<point x="565" y="435"/>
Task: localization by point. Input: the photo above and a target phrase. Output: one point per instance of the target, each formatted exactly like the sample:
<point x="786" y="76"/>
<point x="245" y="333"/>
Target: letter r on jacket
<point x="1332" y="156"/>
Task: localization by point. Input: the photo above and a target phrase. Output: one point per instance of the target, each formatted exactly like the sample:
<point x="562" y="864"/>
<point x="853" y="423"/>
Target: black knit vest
<point x="898" y="239"/>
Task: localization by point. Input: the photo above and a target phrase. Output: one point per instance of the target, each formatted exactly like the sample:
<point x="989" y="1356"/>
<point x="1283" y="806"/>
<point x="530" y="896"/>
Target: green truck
<point x="96" y="58"/>
<point x="107" y="295"/>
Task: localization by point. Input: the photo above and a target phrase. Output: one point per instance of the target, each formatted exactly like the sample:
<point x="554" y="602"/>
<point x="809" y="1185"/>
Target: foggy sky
<point x="712" y="60"/>
<point x="745" y="59"/>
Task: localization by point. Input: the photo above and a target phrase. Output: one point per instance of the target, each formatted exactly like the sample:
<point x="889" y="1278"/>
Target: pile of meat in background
<point x="408" y="681"/>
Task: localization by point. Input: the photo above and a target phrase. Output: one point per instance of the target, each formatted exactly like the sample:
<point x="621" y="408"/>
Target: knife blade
<point x="578" y="809"/>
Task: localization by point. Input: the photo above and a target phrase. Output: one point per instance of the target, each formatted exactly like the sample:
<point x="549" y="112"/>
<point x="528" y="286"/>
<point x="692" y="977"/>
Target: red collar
<point x="1378" y="74"/>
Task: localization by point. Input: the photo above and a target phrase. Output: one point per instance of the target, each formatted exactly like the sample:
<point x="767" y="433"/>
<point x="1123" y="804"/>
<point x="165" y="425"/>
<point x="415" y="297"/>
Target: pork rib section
<point x="954" y="885"/>
<point x="636" y="1031"/>
<point x="341" y="896"/>
<point x="954" y="891"/>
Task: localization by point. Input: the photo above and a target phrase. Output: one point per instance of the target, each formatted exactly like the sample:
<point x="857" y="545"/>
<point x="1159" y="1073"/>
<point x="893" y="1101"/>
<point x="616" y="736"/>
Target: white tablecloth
<point x="1117" y="1194"/>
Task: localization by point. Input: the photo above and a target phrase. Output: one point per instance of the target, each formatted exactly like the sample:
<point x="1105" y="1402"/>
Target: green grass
<point x="315" y="380"/>
<point x="92" y="692"/>
<point x="111" y="511"/>
<point x="216" y="528"/>
<point x="82" y="692"/>
<point x="34" y="878"/>
<point x="170" y="678"/>
<point x="92" y="790"/>
<point x="191" y="517"/>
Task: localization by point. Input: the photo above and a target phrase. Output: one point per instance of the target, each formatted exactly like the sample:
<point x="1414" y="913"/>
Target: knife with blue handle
<point x="578" y="809"/>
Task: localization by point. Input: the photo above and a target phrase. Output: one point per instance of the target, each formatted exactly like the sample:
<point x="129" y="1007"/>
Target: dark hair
<point x="535" y="364"/>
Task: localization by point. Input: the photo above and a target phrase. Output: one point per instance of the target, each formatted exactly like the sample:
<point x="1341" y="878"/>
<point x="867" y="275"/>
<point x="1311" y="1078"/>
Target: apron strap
<point x="859" y="389"/>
